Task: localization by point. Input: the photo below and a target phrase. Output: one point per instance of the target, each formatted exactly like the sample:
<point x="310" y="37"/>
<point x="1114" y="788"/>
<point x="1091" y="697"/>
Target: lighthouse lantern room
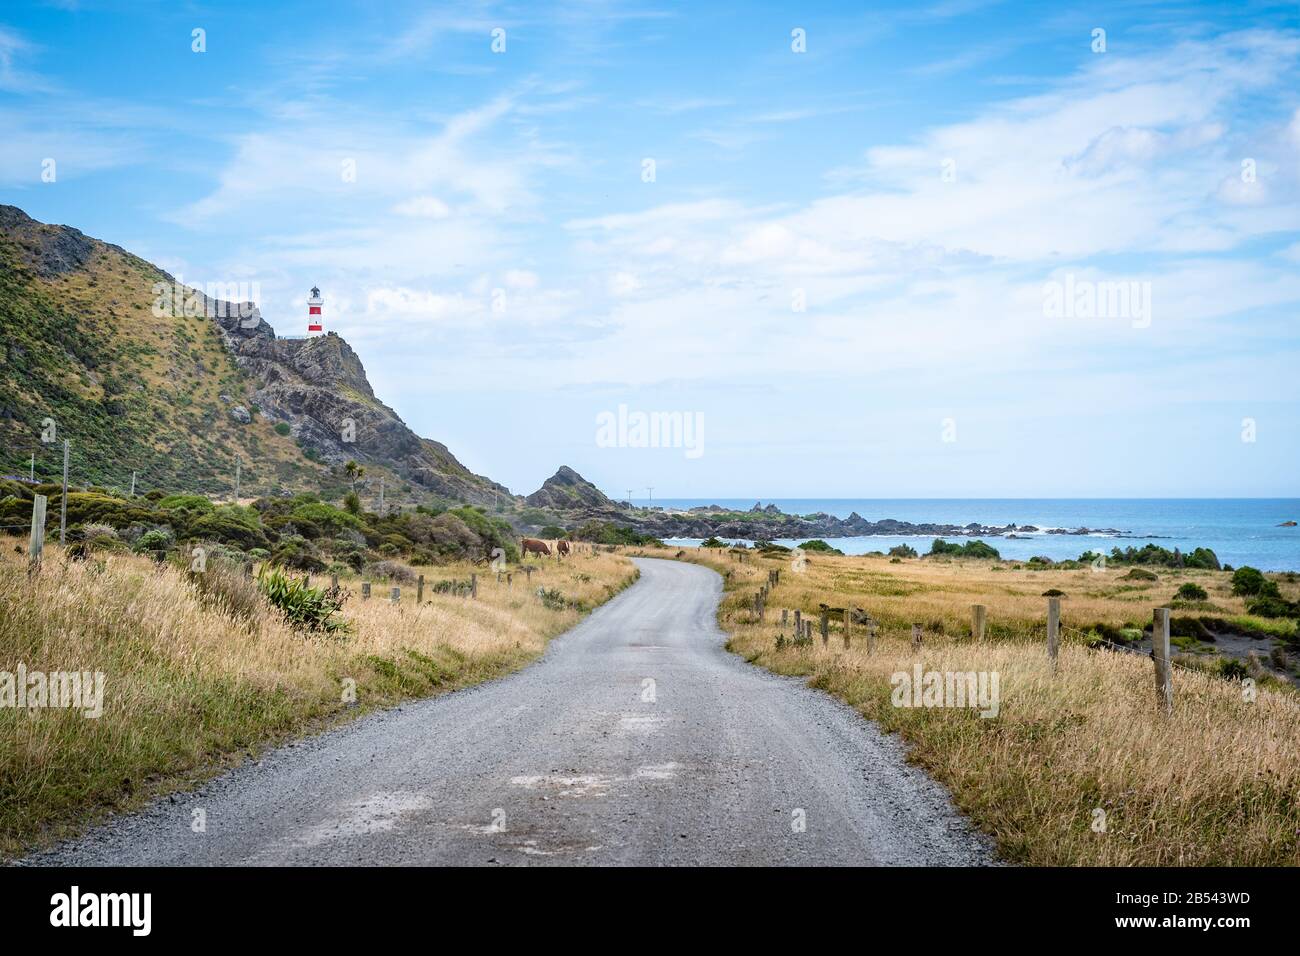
<point x="315" y="321"/>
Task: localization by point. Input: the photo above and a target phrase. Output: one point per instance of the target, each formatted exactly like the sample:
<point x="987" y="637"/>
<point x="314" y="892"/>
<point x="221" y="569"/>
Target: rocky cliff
<point x="181" y="389"/>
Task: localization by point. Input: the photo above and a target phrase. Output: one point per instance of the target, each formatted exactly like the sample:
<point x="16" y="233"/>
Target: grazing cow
<point x="534" y="546"/>
<point x="562" y="547"/>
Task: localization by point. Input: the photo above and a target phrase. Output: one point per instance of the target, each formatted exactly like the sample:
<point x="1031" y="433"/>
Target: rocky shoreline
<point x="770" y="523"/>
<point x="568" y="500"/>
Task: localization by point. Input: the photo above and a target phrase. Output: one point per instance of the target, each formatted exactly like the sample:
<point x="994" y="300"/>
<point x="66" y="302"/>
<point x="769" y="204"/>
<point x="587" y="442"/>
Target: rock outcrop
<point x="567" y="490"/>
<point x="318" y="386"/>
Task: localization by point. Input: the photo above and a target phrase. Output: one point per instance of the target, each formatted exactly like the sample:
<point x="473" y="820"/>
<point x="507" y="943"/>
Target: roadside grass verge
<point x="1216" y="784"/>
<point x="197" y="680"/>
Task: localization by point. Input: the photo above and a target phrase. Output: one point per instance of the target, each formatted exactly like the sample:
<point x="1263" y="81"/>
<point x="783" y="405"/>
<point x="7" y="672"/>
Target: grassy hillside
<point x="132" y="390"/>
<point x="1218" y="783"/>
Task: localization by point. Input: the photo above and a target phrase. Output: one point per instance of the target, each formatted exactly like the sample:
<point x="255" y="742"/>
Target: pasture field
<point x="1078" y="767"/>
<point x="198" y="678"/>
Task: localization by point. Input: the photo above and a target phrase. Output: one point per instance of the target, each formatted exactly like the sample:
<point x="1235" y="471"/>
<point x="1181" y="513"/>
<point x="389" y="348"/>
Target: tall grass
<point x="1218" y="783"/>
<point x="197" y="677"/>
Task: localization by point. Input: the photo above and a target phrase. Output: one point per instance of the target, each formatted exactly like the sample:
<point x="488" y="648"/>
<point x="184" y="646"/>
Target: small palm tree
<point x="354" y="473"/>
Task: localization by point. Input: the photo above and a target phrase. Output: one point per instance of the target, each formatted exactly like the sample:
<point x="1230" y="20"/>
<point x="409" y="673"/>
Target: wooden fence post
<point x="419" y="590"/>
<point x="334" y="581"/>
<point x="473" y="585"/>
<point x="785" y="615"/>
<point x="396" y="595"/>
<point x="916" y="637"/>
<point x="365" y="590"/>
<point x="871" y="637"/>
<point x="979" y="614"/>
<point x="1053" y="628"/>
<point x="1164" y="667"/>
<point x="826" y="627"/>
<point x="36" y="544"/>
<point x="798" y="623"/>
<point x="510" y="579"/>
<point x="848" y="627"/>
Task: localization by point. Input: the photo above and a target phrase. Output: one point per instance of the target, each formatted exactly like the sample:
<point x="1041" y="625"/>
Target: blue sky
<point x="918" y="179"/>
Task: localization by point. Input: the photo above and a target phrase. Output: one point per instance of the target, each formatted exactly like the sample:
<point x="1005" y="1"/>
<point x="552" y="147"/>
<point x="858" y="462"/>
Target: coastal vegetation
<point x="206" y="665"/>
<point x="1078" y="767"/>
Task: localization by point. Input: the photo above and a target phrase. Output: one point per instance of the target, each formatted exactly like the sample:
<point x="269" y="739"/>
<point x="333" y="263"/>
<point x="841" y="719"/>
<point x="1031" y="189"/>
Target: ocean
<point x="1241" y="531"/>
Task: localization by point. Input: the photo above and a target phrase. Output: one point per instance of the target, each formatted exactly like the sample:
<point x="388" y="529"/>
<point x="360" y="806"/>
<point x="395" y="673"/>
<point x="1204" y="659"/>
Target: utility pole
<point x="32" y="471"/>
<point x="652" y="495"/>
<point x="63" y="504"/>
<point x="629" y="499"/>
<point x="132" y="484"/>
<point x="238" y="468"/>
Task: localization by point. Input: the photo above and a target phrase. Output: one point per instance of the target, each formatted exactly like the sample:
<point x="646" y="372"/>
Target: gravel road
<point x="636" y="739"/>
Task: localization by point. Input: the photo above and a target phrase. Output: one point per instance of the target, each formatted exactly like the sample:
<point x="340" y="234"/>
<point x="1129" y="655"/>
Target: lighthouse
<point x="314" y="319"/>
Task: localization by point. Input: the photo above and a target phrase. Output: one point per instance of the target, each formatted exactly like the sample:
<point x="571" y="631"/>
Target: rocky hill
<point x="179" y="388"/>
<point x="567" y="490"/>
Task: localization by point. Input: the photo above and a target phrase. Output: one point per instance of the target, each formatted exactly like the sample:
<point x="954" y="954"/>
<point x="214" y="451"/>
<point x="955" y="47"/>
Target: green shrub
<point x="186" y="503"/>
<point x="282" y="428"/>
<point x="1191" y="592"/>
<point x="305" y="608"/>
<point x="1269" y="605"/>
<point x="231" y="524"/>
<point x="817" y="545"/>
<point x="902" y="551"/>
<point x="157" y="540"/>
<point x="971" y="549"/>
<point x="712" y="542"/>
<point x="295" y="551"/>
<point x="1248" y="581"/>
<point x="321" y="515"/>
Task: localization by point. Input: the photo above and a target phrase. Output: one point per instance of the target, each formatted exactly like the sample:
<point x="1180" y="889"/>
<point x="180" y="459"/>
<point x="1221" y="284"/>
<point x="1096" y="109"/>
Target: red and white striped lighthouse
<point x="314" y="319"/>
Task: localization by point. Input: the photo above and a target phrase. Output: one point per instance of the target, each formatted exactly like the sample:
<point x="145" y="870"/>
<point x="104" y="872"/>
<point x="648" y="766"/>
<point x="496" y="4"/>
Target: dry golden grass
<point x="1218" y="783"/>
<point x="190" y="688"/>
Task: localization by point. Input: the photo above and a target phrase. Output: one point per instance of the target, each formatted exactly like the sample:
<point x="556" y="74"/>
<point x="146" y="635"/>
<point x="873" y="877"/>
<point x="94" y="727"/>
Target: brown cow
<point x="562" y="547"/>
<point x="534" y="546"/>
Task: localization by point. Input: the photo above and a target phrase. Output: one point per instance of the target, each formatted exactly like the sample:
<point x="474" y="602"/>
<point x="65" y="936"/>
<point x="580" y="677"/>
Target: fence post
<point x="979" y="614"/>
<point x="36" y="544"/>
<point x="826" y="627"/>
<point x="510" y="579"/>
<point x="419" y="590"/>
<point x="1053" y="628"/>
<point x="785" y="615"/>
<point x="396" y="595"/>
<point x="1164" y="668"/>
<point x="871" y="637"/>
<point x="798" y="623"/>
<point x="473" y="585"/>
<point x="848" y="627"/>
<point x="365" y="590"/>
<point x="334" y="582"/>
<point x="63" y="502"/>
<point x="916" y="637"/>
